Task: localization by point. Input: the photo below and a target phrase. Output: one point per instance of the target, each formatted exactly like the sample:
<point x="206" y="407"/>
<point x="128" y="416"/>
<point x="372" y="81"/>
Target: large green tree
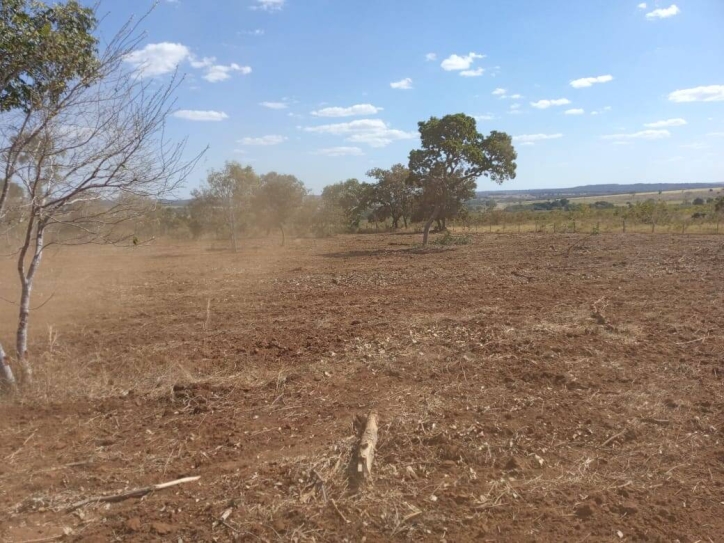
<point x="453" y="156"/>
<point x="278" y="199"/>
<point x="42" y="48"/>
<point x="230" y="191"/>
<point x="392" y="195"/>
<point x="348" y="198"/>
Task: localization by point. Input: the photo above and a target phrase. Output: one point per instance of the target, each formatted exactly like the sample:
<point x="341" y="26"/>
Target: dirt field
<point x="529" y="389"/>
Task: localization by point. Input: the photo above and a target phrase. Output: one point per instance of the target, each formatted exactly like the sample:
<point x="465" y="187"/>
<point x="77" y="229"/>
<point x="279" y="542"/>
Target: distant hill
<point x="593" y="190"/>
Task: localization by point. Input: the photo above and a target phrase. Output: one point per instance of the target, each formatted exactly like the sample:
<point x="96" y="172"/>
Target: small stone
<point x="133" y="524"/>
<point x="161" y="528"/>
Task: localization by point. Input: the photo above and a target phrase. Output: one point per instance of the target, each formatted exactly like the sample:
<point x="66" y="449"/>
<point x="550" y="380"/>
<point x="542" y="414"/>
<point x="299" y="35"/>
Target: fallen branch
<point x="614" y="437"/>
<point x="367" y="444"/>
<point x="137" y="493"/>
<point x="334" y="504"/>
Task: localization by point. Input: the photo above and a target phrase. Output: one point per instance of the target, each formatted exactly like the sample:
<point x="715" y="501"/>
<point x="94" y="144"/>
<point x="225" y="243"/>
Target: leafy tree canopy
<point x="42" y="48"/>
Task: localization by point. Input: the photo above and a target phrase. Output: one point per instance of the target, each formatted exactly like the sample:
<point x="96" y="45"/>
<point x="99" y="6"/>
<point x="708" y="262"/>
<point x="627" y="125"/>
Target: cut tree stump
<point x="367" y="444"/>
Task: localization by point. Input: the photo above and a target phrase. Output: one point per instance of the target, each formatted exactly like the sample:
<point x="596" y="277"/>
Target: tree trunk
<point x="283" y="237"/>
<point x="624" y="226"/>
<point x="653" y="227"/>
<point x="404" y="220"/>
<point x="7" y="371"/>
<point x="428" y="224"/>
<point x="26" y="282"/>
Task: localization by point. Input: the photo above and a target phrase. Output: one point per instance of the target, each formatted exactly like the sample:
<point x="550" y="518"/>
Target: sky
<point x="595" y="91"/>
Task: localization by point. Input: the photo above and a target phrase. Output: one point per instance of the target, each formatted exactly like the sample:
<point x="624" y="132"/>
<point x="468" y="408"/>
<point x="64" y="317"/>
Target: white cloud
<point x="664" y="124"/>
<point x="198" y="115"/>
<point x="263" y="140"/>
<point x="545" y="104"/>
<point x="255" y="32"/>
<point x="530" y="138"/>
<point x="575" y="111"/>
<point x="158" y="58"/>
<point x="515" y="96"/>
<point x="352" y="111"/>
<point x="431" y="57"/>
<point x="219" y="72"/>
<point x="642" y="5"/>
<point x="268" y="5"/>
<point x="711" y="93"/>
<point x="161" y="58"/>
<point x="340" y="151"/>
<point x="664" y="13"/>
<point x="585" y="82"/>
<point x="477" y="72"/>
<point x="486" y="117"/>
<point x="528" y="143"/>
<point x="716" y="134"/>
<point x="514" y="106"/>
<point x="456" y="63"/>
<point x="403" y="84"/>
<point x="274" y="105"/>
<point x="373" y="132"/>
<point x="499" y="92"/>
<point x="695" y="145"/>
<point x="643" y="135"/>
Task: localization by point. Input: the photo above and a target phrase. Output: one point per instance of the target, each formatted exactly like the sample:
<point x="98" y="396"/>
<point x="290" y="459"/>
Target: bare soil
<point x="529" y="387"/>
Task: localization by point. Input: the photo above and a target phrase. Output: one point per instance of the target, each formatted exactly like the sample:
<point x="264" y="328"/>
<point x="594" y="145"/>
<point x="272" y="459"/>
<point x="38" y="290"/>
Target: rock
<point x="161" y="528"/>
<point x="133" y="524"/>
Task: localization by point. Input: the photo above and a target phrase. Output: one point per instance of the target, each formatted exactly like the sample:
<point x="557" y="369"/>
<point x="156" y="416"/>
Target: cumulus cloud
<point x="515" y="96"/>
<point x="585" y="82"/>
<point x="200" y="115"/>
<point x="710" y="93"/>
<point x="255" y="32"/>
<point x="545" y="104"/>
<point x="340" y="151"/>
<point x="373" y="132"/>
<point x="531" y="138"/>
<point x="477" y="72"/>
<point x="403" y="84"/>
<point x="664" y="124"/>
<point x="219" y="72"/>
<point x="268" y="5"/>
<point x="643" y="135"/>
<point x="431" y="57"/>
<point x="263" y="140"/>
<point x="161" y="58"/>
<point x="274" y="105"/>
<point x="663" y="13"/>
<point x="642" y="5"/>
<point x="456" y="63"/>
<point x="499" y="92"/>
<point x="158" y="58"/>
<point x="575" y="111"/>
<point x="352" y="111"/>
<point x="486" y="117"/>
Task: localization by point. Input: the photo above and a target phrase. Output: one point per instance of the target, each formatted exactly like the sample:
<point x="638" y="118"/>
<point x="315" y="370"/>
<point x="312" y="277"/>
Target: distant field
<point x="672" y="196"/>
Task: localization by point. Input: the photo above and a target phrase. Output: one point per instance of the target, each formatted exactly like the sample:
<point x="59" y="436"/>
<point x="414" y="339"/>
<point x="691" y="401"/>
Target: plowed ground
<point x="529" y="388"/>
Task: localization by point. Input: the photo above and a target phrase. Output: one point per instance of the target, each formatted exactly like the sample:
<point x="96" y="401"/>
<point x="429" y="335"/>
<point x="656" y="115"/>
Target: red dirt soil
<point x="529" y="387"/>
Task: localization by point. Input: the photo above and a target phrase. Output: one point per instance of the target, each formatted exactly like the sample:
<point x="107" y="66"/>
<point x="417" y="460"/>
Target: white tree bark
<point x="7" y="371"/>
<point x="26" y="281"/>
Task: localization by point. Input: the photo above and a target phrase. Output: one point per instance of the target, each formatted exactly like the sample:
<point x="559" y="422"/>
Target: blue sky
<point x="593" y="91"/>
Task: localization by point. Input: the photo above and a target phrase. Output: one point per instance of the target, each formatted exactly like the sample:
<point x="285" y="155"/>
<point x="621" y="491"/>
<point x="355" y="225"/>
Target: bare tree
<point x="88" y="160"/>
